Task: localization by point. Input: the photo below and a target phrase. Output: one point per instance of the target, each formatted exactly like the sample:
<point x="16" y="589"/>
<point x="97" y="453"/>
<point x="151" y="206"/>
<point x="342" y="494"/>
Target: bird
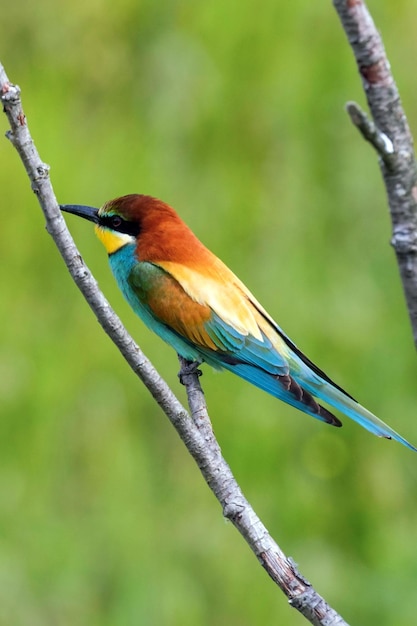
<point x="196" y="304"/>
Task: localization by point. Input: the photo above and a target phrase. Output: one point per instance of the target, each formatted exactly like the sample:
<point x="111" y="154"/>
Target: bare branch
<point x="236" y="508"/>
<point x="196" y="433"/>
<point x="390" y="129"/>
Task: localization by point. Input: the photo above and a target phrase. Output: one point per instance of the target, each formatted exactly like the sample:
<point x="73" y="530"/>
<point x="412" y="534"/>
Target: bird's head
<point x="124" y="220"/>
<point x="116" y="225"/>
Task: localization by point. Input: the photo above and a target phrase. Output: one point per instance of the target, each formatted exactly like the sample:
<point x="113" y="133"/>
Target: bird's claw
<point x="189" y="367"/>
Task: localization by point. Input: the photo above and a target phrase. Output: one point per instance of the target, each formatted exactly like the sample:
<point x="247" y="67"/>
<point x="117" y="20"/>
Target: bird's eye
<point x="116" y="221"/>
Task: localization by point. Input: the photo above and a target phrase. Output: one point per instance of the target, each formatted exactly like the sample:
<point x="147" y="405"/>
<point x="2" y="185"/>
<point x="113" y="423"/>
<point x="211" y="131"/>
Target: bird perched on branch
<point x="188" y="297"/>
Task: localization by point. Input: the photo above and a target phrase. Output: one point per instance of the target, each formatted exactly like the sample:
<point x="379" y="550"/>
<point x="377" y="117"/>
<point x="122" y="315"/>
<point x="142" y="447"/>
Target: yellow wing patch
<point x="219" y="291"/>
<point x="216" y="287"/>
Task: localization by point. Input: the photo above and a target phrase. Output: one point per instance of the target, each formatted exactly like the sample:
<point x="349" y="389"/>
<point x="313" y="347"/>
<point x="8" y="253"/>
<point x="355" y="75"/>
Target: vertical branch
<point x="390" y="135"/>
<point x="281" y="569"/>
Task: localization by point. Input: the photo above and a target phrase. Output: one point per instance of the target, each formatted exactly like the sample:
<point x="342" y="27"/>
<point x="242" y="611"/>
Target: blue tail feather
<point x="320" y="389"/>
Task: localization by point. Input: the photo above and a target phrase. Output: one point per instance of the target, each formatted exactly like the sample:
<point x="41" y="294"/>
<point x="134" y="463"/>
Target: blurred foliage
<point x="233" y="113"/>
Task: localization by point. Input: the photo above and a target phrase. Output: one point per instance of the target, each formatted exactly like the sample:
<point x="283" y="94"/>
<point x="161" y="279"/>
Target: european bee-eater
<point x="188" y="297"/>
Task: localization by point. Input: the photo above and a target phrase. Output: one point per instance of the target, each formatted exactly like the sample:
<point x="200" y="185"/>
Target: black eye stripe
<point x="117" y="223"/>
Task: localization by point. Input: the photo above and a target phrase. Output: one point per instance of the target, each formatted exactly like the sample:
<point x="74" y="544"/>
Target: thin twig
<point x="190" y="377"/>
<point x="382" y="144"/>
<point x="390" y="135"/>
<point x="196" y="433"/>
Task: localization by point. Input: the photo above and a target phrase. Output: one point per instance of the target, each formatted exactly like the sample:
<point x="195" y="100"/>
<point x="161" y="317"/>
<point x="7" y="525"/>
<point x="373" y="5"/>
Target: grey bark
<point x="391" y="137"/>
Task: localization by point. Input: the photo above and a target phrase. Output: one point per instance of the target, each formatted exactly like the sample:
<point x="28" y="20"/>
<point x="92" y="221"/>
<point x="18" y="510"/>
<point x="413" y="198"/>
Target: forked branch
<point x="391" y="137"/>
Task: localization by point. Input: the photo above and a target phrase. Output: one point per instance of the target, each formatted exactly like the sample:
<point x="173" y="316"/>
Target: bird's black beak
<point x="87" y="212"/>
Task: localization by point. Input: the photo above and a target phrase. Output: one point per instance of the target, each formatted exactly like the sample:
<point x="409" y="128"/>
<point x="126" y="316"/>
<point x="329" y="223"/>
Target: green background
<point x="231" y="111"/>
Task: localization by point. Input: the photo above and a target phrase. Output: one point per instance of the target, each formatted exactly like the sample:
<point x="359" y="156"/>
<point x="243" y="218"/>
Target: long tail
<point x="344" y="403"/>
<point x="301" y="394"/>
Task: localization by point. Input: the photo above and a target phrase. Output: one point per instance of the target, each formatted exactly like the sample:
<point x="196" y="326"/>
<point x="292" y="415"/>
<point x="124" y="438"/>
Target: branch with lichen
<point x="388" y="132"/>
<point x="195" y="430"/>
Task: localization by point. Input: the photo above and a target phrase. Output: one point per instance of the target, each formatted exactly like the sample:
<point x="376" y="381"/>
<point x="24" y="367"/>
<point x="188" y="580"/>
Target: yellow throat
<point x="112" y="240"/>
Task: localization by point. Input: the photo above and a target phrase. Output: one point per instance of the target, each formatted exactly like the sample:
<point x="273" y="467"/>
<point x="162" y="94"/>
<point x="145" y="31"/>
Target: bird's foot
<point x="189" y="367"/>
